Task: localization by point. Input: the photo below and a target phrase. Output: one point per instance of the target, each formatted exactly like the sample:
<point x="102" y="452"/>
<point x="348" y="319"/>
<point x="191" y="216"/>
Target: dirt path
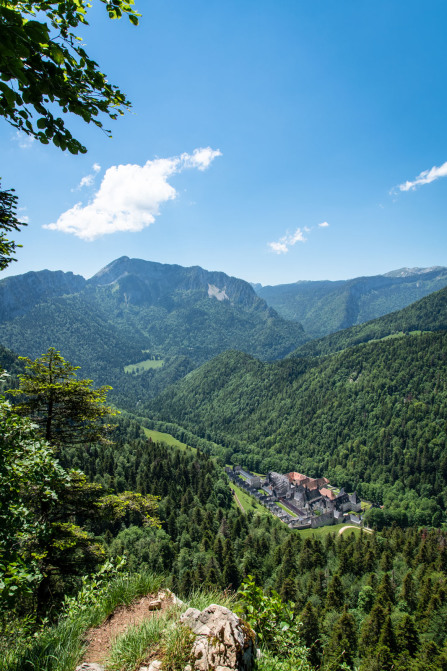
<point x="352" y="526"/>
<point x="237" y="501"/>
<point x="100" y="639"/>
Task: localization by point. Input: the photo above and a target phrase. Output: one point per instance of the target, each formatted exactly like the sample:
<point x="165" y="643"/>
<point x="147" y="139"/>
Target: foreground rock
<point x="223" y="641"/>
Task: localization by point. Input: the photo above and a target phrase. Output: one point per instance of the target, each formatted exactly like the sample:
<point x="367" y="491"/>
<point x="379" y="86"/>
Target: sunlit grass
<point x="249" y="503"/>
<point x="159" y="437"/>
<point x="132" y="648"/>
<point x="141" y="366"/>
<point x="60" y="647"/>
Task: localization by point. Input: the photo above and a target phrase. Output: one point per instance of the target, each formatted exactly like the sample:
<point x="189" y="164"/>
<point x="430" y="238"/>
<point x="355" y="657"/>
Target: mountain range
<point x="135" y="312"/>
<point x="141" y="326"/>
<point x="325" y="307"/>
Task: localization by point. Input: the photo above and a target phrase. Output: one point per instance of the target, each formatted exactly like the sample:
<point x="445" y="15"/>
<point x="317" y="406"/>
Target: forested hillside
<point x="428" y="314"/>
<point x="133" y="311"/>
<point x="392" y="586"/>
<point x="325" y="307"/>
<point x="370" y="418"/>
<point x="377" y="600"/>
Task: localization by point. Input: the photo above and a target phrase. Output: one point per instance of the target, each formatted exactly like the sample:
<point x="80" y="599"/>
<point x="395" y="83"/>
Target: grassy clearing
<point x="141" y="366"/>
<point x="249" y="503"/>
<point x="159" y="437"/>
<point x="322" y="532"/>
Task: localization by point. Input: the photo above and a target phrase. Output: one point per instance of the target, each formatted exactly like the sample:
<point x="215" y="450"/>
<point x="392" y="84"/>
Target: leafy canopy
<point x="66" y="410"/>
<point x="29" y="479"/>
<point x="44" y="65"/>
<point x="8" y="222"/>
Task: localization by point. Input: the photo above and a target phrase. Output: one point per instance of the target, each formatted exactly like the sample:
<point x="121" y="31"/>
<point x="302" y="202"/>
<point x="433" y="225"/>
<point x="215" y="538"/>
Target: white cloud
<point x="283" y="245"/>
<point x="24" y="218"/>
<point x="200" y="158"/>
<point x="130" y="196"/>
<point x="425" y="177"/>
<point x="25" y="141"/>
<point x="88" y="180"/>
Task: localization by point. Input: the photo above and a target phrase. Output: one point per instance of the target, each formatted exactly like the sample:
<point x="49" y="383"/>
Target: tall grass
<point x="131" y="648"/>
<point x="201" y="598"/>
<point x="60" y="647"/>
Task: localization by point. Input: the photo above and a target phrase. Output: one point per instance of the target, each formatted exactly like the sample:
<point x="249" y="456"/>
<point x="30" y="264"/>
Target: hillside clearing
<point x="167" y="439"/>
<point x="141" y="366"/>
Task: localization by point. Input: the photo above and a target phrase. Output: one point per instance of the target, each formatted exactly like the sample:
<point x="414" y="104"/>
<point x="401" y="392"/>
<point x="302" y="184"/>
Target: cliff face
<point x="18" y="294"/>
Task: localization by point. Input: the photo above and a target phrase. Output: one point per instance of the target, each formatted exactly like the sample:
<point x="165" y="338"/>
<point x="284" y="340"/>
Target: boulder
<point x="223" y="641"/>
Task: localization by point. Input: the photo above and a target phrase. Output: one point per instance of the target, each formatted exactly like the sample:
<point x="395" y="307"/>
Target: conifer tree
<point x="385" y="591"/>
<point x="335" y="593"/>
<point x="230" y="572"/>
<point x="342" y="645"/>
<point x="66" y="410"/>
<point x="310" y="633"/>
<point x="288" y="590"/>
<point x="371" y="628"/>
<point x="408" y="593"/>
<point x="407" y="638"/>
<point x="387" y="637"/>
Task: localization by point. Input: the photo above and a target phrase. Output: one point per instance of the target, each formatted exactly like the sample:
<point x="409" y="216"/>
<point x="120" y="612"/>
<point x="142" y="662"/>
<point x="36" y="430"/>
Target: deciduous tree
<point x="43" y="64"/>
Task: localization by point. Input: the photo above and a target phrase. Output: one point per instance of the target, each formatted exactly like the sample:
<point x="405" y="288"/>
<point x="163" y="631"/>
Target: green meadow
<point x="141" y="366"/>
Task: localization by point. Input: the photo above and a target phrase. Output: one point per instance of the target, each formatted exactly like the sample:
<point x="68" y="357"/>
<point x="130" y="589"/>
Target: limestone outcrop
<point x="223" y="642"/>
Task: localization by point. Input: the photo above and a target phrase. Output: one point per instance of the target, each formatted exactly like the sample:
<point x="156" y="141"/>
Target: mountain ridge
<point x="326" y="306"/>
<point x="133" y="310"/>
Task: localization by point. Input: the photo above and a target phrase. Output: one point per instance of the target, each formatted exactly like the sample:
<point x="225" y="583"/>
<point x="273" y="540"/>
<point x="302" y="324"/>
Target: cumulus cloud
<point x="130" y="196"/>
<point x="88" y="179"/>
<point x="200" y="158"/>
<point x="283" y="245"/>
<point x="425" y="177"/>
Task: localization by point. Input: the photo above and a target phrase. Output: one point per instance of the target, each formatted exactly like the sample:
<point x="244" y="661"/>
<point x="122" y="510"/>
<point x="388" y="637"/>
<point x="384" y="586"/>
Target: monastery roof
<point x="328" y="493"/>
<point x="296" y="477"/>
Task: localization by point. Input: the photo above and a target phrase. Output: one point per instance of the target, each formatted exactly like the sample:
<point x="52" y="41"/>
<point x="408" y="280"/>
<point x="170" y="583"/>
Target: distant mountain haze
<point x="325" y="307"/>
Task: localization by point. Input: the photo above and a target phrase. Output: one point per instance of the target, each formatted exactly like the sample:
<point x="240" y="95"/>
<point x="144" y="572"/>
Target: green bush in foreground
<point x="276" y="627"/>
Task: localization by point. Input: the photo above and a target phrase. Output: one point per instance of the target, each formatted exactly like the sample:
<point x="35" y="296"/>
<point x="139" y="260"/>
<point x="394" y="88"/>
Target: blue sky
<point x="253" y="123"/>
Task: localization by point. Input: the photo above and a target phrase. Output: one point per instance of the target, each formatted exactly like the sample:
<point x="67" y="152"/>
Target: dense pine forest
<point x="366" y="600"/>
